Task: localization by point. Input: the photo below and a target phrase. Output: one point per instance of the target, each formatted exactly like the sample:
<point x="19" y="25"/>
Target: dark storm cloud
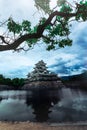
<point x="68" y="67"/>
<point x="59" y="67"/>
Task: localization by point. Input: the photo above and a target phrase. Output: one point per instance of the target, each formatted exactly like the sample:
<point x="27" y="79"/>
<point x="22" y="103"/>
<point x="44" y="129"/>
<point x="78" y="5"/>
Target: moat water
<point x="64" y="105"/>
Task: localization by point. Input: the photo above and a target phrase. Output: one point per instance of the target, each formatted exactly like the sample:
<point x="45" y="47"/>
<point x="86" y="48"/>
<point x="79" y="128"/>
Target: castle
<point x="41" y="77"/>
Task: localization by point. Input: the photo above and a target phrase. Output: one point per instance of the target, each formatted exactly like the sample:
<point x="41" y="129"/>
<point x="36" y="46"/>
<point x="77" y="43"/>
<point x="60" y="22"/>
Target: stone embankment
<point x="6" y="87"/>
<point x="43" y="85"/>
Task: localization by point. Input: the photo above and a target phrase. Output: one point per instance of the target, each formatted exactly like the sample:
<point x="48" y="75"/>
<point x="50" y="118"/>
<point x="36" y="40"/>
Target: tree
<point x="53" y="29"/>
<point x="17" y="83"/>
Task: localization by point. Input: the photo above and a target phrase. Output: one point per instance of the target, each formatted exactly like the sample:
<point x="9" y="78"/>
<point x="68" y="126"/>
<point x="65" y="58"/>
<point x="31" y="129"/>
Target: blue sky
<point x="66" y="61"/>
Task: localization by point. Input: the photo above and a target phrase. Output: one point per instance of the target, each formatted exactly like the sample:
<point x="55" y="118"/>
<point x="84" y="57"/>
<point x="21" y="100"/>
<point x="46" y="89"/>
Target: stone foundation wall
<point x="43" y="84"/>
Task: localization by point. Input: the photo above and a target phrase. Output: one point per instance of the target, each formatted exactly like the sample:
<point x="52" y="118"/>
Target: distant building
<point x="41" y="77"/>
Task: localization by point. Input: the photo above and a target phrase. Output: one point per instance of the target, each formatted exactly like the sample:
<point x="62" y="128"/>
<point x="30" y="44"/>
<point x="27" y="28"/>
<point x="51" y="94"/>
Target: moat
<point x="64" y="105"/>
<point x="43" y="98"/>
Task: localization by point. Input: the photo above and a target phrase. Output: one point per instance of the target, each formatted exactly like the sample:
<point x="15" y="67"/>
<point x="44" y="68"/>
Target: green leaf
<point x="13" y="26"/>
<point x="42" y="21"/>
<point x="49" y="27"/>
<point x="65" y="42"/>
<point x="26" y="25"/>
<point x="50" y="47"/>
<point x="31" y="42"/>
<point x="66" y="8"/>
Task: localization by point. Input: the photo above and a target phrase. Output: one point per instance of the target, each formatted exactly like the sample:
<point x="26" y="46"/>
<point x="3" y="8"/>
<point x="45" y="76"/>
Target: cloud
<point x="63" y="62"/>
<point x="74" y="65"/>
<point x="68" y="60"/>
<point x="16" y="8"/>
<point x="19" y="72"/>
<point x="13" y="62"/>
<point x="79" y="34"/>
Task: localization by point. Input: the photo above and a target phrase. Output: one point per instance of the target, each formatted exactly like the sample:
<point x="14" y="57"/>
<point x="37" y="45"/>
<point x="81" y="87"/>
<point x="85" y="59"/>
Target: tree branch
<point x="15" y="44"/>
<point x="3" y="40"/>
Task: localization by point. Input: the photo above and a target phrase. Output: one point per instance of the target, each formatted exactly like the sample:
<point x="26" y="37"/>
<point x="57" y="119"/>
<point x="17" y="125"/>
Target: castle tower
<point x="41" y="78"/>
<point x="40" y="68"/>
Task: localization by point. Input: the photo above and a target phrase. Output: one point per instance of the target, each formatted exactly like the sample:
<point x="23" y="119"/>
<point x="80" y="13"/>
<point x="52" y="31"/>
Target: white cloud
<point x="77" y="28"/>
<point x="10" y="62"/>
<point x="13" y="62"/>
<point x="9" y="7"/>
<point x="72" y="62"/>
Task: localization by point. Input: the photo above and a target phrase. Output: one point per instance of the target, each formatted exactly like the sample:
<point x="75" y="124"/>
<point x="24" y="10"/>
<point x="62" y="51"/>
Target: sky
<point x="66" y="61"/>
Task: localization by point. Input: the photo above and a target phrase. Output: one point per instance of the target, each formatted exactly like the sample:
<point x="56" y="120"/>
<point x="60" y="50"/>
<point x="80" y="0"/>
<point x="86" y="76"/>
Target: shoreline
<point x="6" y="125"/>
<point x="48" y="123"/>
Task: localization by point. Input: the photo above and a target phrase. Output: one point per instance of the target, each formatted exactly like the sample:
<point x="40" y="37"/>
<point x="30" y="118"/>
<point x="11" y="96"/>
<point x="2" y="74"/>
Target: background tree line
<point x="16" y="82"/>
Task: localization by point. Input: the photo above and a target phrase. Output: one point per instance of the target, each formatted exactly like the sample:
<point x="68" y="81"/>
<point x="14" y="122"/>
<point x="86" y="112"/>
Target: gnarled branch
<point x="40" y="29"/>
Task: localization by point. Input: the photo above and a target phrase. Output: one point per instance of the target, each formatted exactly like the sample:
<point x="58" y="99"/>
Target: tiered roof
<point x="40" y="73"/>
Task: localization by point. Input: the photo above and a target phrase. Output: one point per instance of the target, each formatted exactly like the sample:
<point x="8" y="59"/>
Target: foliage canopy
<point x="53" y="29"/>
<point x="16" y="82"/>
